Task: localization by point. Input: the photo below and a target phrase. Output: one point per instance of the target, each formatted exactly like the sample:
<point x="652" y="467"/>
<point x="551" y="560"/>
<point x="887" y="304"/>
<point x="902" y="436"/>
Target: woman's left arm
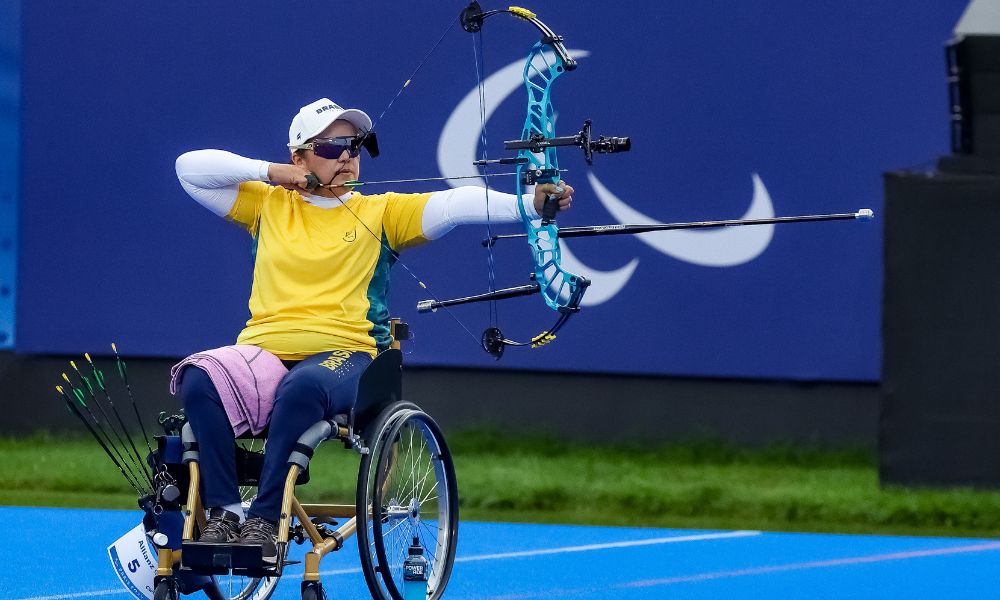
<point x="468" y="205"/>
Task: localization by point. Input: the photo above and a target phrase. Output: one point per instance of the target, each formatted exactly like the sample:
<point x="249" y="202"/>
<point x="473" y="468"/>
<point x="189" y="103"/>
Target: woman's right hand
<point x="291" y="176"/>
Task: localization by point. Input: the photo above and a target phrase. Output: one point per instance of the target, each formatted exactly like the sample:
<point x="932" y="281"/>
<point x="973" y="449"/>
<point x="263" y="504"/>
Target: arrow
<point x="595" y="230"/>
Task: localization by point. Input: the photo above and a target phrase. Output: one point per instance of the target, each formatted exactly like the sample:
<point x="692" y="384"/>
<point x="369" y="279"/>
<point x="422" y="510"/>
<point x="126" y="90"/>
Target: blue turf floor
<point x="60" y="553"/>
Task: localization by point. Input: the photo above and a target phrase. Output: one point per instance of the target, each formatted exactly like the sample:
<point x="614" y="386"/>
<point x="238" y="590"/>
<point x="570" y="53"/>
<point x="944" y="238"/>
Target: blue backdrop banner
<point x="734" y="109"/>
<point x="10" y="119"/>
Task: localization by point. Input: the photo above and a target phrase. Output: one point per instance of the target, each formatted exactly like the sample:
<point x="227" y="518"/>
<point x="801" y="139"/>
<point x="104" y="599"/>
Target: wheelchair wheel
<point x="232" y="587"/>
<point x="166" y="590"/>
<point x="406" y="489"/>
<point x="220" y="588"/>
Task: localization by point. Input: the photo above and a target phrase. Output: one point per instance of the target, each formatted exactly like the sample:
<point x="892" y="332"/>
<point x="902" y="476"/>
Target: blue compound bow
<point x="537" y="163"/>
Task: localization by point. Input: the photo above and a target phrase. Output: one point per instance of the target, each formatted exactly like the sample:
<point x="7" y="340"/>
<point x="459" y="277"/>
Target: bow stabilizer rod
<point x="597" y="230"/>
<point x="425" y="306"/>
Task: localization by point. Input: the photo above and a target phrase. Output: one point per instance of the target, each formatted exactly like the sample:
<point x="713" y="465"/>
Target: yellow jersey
<point x="320" y="279"/>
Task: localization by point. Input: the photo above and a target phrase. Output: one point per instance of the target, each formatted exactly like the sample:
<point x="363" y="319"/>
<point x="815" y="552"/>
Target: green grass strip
<point x="694" y="485"/>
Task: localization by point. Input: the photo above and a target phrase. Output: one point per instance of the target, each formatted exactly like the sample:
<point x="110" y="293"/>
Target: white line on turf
<point x="587" y="548"/>
<point x="818" y="564"/>
<point x="751" y="571"/>
<point x="79" y="594"/>
<point x="611" y="545"/>
<point x="499" y="556"/>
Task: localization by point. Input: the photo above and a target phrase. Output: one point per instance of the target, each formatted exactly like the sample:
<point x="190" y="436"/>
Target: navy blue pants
<point x="316" y="388"/>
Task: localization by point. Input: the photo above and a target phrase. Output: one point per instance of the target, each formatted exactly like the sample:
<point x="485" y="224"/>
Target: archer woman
<point x="318" y="312"/>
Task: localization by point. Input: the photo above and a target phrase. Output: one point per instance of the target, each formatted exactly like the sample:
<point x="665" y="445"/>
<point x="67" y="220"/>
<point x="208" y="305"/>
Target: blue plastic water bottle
<point x="415" y="569"/>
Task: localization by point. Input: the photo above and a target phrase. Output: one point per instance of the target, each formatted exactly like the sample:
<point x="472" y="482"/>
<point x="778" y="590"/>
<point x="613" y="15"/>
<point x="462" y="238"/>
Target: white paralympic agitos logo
<point x="725" y="247"/>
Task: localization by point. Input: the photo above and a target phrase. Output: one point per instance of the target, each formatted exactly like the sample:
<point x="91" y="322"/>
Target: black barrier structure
<point x="973" y="60"/>
<point x="940" y="419"/>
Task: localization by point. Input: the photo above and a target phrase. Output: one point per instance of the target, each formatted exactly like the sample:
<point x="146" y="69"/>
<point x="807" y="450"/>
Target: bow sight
<point x="537" y="142"/>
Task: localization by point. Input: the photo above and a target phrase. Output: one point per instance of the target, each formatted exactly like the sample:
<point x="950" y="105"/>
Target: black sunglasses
<point x="333" y="148"/>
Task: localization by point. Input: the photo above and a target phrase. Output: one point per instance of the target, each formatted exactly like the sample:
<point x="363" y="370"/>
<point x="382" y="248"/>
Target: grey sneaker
<point x="263" y="533"/>
<point x="223" y="527"/>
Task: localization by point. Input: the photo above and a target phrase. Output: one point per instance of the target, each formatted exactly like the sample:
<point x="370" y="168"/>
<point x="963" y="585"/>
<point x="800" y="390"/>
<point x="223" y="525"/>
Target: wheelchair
<point x="406" y="496"/>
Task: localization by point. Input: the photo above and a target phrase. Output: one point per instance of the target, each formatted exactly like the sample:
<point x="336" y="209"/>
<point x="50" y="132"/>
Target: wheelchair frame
<point x="379" y="404"/>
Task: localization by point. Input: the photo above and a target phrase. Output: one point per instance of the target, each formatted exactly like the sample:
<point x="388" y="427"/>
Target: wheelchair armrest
<point x="310" y="440"/>
<point x="190" y="444"/>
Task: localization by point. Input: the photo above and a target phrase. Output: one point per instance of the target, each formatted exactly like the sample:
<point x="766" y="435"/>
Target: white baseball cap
<point x="313" y="118"/>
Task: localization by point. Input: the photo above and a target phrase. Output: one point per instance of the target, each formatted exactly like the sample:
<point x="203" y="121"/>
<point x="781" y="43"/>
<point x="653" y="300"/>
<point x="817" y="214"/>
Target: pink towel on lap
<point x="246" y="378"/>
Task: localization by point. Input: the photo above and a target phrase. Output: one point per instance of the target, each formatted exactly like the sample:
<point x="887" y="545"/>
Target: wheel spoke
<point x="423" y="480"/>
<point x="393" y="528"/>
<point x="433" y="534"/>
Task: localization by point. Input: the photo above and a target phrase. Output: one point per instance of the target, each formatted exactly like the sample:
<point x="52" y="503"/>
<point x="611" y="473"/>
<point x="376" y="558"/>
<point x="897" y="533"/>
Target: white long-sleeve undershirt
<point x="213" y="177"/>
